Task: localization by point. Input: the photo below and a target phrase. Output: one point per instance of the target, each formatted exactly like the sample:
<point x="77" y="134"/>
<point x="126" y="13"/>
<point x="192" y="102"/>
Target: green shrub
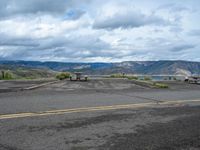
<point x="8" y="76"/>
<point x="5" y="75"/>
<point x="147" y="78"/>
<point x="132" y="78"/>
<point x="117" y="76"/>
<point x="63" y="75"/>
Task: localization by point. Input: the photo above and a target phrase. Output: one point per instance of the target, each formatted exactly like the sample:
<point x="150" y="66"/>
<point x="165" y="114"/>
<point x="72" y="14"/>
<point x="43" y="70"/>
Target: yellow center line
<point x="89" y="109"/>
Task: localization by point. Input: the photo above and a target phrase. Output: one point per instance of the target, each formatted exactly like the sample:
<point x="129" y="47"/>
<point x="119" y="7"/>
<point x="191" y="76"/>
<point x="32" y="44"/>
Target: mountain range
<point x="129" y="67"/>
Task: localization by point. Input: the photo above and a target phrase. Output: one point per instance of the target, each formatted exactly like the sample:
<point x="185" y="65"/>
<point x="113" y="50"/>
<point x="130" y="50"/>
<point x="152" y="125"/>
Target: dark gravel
<point x="180" y="134"/>
<point x="161" y="128"/>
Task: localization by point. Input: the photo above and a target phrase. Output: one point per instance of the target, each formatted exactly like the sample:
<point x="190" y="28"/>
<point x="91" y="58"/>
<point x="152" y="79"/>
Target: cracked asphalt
<point x="174" y="127"/>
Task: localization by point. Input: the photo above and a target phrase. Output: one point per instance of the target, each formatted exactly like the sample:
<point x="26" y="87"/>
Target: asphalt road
<point x="153" y="125"/>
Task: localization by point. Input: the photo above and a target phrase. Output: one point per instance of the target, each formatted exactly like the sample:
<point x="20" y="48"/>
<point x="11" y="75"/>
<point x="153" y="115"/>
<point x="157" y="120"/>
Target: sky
<point x="99" y="30"/>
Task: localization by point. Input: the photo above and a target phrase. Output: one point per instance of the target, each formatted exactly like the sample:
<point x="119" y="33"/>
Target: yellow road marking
<point x="88" y="109"/>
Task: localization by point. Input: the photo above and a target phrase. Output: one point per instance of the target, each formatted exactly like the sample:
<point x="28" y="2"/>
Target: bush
<point x="117" y="76"/>
<point x="123" y="76"/>
<point x="6" y="75"/>
<point x="147" y="79"/>
<point x="132" y="78"/>
<point x="63" y="75"/>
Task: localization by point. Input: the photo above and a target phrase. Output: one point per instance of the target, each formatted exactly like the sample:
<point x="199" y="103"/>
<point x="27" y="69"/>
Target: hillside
<point x="135" y="67"/>
<point x="22" y="72"/>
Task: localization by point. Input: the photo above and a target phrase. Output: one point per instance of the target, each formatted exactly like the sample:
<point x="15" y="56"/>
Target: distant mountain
<point x="131" y="67"/>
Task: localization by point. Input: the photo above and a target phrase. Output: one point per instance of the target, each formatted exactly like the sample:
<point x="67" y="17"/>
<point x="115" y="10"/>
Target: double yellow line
<point x="89" y="109"/>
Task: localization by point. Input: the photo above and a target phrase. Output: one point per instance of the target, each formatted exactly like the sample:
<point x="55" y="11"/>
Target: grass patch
<point x="157" y="85"/>
<point x="117" y="76"/>
<point x="132" y="77"/>
<point x="146" y="78"/>
<point x="161" y="85"/>
<point x="123" y="76"/>
<point x="153" y="84"/>
<point x="145" y="81"/>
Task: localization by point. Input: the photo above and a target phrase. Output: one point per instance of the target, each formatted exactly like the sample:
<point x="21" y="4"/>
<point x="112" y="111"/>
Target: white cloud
<point x="67" y="30"/>
<point x="129" y="20"/>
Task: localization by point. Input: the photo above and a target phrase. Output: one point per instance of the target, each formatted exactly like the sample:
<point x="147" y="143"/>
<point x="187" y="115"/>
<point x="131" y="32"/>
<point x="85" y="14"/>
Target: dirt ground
<point x="92" y="84"/>
<point x="163" y="127"/>
<point x="175" y="128"/>
<point x="180" y="133"/>
<point x="19" y="85"/>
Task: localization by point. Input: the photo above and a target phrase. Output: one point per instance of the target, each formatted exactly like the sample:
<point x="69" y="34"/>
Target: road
<point x="100" y="114"/>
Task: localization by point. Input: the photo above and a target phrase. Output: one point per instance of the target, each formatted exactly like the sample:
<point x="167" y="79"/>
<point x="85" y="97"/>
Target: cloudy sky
<point x="99" y="30"/>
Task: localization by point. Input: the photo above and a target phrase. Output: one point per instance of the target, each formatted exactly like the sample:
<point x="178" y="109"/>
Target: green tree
<point x="6" y="75"/>
<point x="63" y="75"/>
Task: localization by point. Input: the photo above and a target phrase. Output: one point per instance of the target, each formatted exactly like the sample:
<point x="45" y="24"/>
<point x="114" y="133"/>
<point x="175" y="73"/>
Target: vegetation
<point x="6" y="75"/>
<point x="132" y="78"/>
<point x="152" y="84"/>
<point x="63" y="75"/>
<point x="25" y="73"/>
<point x="157" y="85"/>
<point x="117" y="76"/>
<point x="124" y="76"/>
<point x="147" y="78"/>
<point x="161" y="85"/>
